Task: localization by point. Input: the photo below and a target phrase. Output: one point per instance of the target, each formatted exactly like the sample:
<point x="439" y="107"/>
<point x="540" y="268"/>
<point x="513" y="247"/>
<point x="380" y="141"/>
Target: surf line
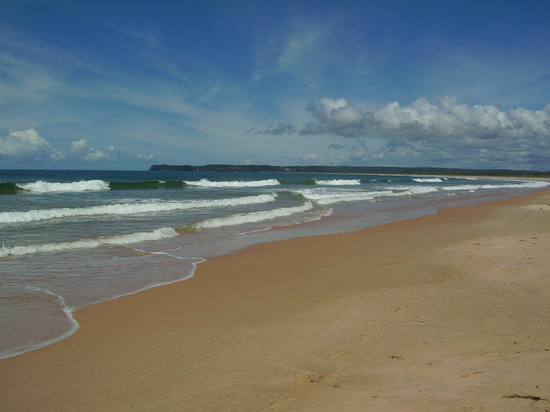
<point x="68" y="313"/>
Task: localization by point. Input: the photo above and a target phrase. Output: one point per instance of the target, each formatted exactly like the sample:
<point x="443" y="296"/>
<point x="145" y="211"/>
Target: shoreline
<point x="271" y="326"/>
<point x="300" y="230"/>
<point x="303" y="228"/>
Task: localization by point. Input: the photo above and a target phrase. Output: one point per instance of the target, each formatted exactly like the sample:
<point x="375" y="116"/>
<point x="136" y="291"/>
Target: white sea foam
<point x="339" y="182"/>
<point x="252" y="217"/>
<point x="327" y="197"/>
<point x="529" y="184"/>
<point x="237" y="183"/>
<point x="428" y="179"/>
<point x="414" y="190"/>
<point x="41" y="186"/>
<point x="130" y="208"/>
<point x="157" y="234"/>
<point x="418" y="190"/>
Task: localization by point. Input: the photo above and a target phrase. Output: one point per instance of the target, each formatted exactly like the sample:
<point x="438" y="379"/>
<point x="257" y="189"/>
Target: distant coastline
<point x="354" y="170"/>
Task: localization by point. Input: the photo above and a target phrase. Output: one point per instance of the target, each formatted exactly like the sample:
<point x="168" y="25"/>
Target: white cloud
<point x="146" y="156"/>
<point x="96" y="154"/>
<point x="20" y="143"/>
<point x="28" y="146"/>
<point x="328" y="105"/>
<point x="436" y="133"/>
<point x="78" y="145"/>
<point x="423" y="119"/>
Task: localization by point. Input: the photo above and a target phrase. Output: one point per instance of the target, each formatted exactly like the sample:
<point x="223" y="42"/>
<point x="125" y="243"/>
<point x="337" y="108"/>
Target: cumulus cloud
<point x="423" y="119"/>
<point x="441" y="132"/>
<point x="79" y="145"/>
<point x="22" y="144"/>
<point x="94" y="155"/>
<point x="28" y="146"/>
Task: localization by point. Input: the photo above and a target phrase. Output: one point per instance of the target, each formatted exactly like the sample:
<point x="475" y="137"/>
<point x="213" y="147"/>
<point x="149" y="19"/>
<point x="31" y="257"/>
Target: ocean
<point x="71" y="239"/>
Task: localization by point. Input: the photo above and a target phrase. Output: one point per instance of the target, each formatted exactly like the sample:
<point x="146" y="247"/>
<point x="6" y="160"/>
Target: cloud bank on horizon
<point x="28" y="144"/>
<point x="368" y="83"/>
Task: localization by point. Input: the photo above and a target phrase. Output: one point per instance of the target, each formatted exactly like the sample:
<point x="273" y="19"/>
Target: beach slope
<point x="448" y="312"/>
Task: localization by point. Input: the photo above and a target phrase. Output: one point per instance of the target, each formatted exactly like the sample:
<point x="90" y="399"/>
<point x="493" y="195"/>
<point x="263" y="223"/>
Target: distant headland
<point x="353" y="170"/>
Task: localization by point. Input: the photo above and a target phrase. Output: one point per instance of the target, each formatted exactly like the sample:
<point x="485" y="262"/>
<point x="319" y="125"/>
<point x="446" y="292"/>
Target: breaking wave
<point x="416" y="190"/>
<point x="157" y="234"/>
<point x="339" y="182"/>
<point x="130" y="208"/>
<point x="41" y="186"/>
<point x="253" y="217"/>
<point x="531" y="184"/>
<point x="330" y="197"/>
<point x="272" y="182"/>
<point x="232" y="183"/>
<point x="428" y="179"/>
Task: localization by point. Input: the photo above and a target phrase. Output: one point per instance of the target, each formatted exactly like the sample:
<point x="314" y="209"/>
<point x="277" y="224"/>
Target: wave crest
<point x="41" y="186"/>
<point x="120" y="209"/>
<point x="330" y="196"/>
<point x="157" y="234"/>
<point x="252" y="217"/>
<point x="339" y="182"/>
<point x="427" y="179"/>
<point x="231" y="183"/>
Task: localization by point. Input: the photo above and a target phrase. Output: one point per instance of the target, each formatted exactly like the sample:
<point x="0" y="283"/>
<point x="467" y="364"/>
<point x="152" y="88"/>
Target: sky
<point x="127" y="84"/>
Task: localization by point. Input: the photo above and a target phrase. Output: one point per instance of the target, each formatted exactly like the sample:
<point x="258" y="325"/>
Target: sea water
<point x="71" y="239"/>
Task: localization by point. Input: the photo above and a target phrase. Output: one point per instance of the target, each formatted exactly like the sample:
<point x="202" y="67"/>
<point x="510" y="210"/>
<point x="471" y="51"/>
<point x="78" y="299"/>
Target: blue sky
<point x="96" y="85"/>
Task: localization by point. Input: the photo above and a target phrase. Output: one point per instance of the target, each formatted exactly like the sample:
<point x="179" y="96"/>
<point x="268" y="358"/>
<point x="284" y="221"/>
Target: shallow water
<point x="71" y="239"/>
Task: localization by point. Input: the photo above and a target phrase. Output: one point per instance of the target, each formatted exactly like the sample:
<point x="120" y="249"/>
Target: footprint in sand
<point x="309" y="377"/>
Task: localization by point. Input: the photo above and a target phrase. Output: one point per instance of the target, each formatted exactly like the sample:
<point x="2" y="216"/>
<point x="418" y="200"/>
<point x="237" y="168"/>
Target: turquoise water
<point x="70" y="239"/>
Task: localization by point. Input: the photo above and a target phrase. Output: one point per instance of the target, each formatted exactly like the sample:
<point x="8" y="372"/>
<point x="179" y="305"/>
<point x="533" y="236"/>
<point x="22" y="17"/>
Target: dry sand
<point x="448" y="312"/>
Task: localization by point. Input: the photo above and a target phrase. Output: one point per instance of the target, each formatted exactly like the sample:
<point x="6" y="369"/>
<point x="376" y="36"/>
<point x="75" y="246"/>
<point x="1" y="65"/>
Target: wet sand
<point x="447" y="312"/>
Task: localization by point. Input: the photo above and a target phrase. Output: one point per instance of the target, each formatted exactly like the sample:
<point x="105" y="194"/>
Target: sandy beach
<point x="448" y="312"/>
